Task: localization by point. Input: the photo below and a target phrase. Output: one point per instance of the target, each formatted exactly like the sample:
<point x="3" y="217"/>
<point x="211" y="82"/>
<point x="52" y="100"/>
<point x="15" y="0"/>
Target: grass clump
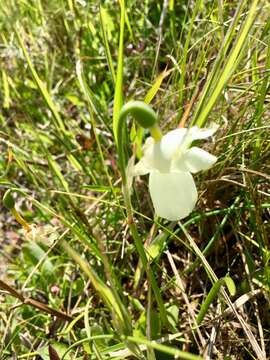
<point x="87" y="270"/>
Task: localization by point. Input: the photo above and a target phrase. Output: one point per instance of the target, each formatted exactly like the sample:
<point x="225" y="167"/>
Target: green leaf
<point x="107" y="26"/>
<point x="118" y="94"/>
<point x="34" y="253"/>
<point x="40" y="84"/>
<point x="212" y="295"/>
<point x="156" y="247"/>
<point x="156" y="86"/>
<point x="173" y="316"/>
<point x="221" y="73"/>
<point x="230" y="285"/>
<point x="59" y="348"/>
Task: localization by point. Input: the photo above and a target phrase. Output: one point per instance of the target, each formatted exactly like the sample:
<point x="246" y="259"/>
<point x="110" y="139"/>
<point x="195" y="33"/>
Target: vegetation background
<point x="72" y="281"/>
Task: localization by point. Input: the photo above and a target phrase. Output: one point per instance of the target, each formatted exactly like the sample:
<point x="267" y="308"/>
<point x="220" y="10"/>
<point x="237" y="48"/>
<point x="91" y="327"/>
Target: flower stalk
<point x="147" y="118"/>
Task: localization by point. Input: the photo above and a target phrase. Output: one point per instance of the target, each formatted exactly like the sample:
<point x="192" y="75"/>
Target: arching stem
<point x="144" y="115"/>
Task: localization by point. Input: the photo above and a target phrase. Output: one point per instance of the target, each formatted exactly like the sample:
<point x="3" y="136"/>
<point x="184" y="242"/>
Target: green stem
<point x="145" y="116"/>
<point x="212" y="294"/>
<point x="139" y="111"/>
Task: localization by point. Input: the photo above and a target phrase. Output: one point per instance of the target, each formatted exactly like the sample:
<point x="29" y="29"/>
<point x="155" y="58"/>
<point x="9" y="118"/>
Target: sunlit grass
<point x="66" y="71"/>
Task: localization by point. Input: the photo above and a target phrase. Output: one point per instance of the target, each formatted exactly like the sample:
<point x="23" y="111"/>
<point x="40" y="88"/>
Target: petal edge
<point x="196" y="159"/>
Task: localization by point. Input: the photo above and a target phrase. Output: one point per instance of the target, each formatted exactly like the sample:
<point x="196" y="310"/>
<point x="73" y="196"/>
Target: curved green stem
<point x="146" y="117"/>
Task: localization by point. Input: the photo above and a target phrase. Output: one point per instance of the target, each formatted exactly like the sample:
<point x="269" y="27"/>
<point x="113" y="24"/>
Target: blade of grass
<point x="129" y="26"/>
<point x="151" y="93"/>
<point x="87" y="92"/>
<point x="184" y="56"/>
<point x="120" y="313"/>
<point x="102" y="15"/>
<point x="262" y="92"/>
<point x="212" y="294"/>
<point x="41" y="86"/>
<point x="139" y="340"/>
<point x="118" y="94"/>
<point x="214" y="75"/>
<point x="105" y="292"/>
<point x="165" y="349"/>
<point x="215" y="279"/>
<point x="203" y="109"/>
<point x="148" y="98"/>
<point x="7" y="100"/>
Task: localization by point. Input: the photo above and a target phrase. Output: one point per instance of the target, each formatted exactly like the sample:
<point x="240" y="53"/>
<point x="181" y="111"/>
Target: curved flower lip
<point x="174" y="194"/>
<point x="170" y="163"/>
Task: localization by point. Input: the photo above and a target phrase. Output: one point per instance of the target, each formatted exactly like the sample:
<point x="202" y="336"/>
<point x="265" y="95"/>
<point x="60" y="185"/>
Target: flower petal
<point x="197" y="133"/>
<point x="171" y="142"/>
<point x="174" y="194"/>
<point x="194" y="160"/>
<point x="153" y="157"/>
<point x="159" y="162"/>
<point x="146" y="164"/>
<point x="141" y="168"/>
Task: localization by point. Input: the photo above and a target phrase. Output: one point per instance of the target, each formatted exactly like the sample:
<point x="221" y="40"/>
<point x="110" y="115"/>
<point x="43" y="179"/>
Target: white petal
<point x="149" y="142"/>
<point x="160" y="163"/>
<point x="153" y="156"/>
<point x="178" y="164"/>
<point x="195" y="133"/>
<point x="171" y="142"/>
<point x="146" y="164"/>
<point x="194" y="160"/>
<point x="174" y="194"/>
<point x="201" y="133"/>
<point x="152" y="159"/>
<point x="141" y="168"/>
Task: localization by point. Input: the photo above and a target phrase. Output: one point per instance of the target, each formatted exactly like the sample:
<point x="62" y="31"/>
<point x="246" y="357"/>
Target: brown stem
<point x="37" y="304"/>
<point x="189" y="106"/>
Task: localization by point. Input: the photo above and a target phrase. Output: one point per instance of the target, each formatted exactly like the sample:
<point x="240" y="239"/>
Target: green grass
<point x="85" y="284"/>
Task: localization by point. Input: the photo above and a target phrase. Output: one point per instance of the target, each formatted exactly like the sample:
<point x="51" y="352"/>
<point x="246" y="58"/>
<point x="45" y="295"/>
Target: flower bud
<point x="8" y="200"/>
<point x="142" y="113"/>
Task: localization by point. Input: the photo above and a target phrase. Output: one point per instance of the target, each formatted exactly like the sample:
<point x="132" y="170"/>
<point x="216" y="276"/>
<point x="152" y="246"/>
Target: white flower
<point x="170" y="163"/>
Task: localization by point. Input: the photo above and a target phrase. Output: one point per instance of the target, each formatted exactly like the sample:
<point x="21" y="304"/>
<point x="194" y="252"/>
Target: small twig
<point x="11" y="291"/>
<point x="189" y="106"/>
<point x="241" y="301"/>
<point x="37" y="304"/>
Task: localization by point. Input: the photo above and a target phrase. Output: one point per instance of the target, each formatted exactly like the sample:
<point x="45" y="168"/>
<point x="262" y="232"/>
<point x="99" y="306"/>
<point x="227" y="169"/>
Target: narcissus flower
<point x="170" y="162"/>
